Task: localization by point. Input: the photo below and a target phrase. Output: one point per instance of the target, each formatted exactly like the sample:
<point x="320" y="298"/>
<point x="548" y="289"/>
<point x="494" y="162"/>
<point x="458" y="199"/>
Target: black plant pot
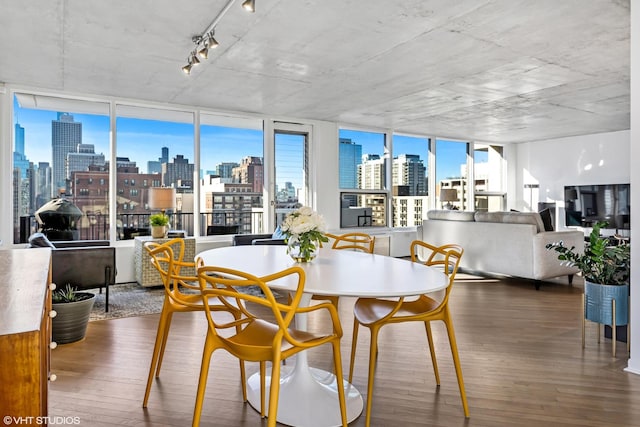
<point x="70" y="323"/>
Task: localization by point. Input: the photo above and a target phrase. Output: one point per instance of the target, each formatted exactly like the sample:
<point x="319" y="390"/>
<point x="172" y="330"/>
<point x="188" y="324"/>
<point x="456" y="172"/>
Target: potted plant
<point x="72" y="314"/>
<point x="159" y="225"/>
<point x="605" y="268"/>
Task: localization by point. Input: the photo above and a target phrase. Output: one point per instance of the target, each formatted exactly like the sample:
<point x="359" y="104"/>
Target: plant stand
<point x="606" y="305"/>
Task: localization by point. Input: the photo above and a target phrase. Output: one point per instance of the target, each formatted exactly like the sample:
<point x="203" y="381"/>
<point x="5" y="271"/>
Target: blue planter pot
<point x="598" y="303"/>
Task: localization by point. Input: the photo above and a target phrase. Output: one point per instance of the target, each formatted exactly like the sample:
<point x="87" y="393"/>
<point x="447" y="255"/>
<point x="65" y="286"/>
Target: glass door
<point x="290" y="177"/>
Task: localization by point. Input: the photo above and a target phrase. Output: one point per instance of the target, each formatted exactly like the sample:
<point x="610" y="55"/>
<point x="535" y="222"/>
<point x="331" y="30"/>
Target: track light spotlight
<point x="204" y="51"/>
<point x="205" y="41"/>
<point x="213" y="43"/>
<point x="249" y="5"/>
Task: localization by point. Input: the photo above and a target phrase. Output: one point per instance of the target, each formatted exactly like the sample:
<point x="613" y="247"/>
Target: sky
<point x="141" y="140"/>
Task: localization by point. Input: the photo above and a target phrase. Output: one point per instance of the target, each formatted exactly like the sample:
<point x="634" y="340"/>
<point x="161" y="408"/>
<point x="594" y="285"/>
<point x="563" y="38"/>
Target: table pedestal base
<point x="308" y="397"/>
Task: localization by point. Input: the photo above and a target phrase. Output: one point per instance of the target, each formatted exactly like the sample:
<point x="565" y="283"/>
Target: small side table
<point x="146" y="273"/>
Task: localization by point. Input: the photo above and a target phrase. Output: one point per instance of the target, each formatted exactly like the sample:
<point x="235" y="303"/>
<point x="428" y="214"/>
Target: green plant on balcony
<point x="159" y="219"/>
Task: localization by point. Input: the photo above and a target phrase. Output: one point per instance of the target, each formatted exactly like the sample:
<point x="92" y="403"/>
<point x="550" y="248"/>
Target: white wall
<point x="582" y="160"/>
<point x="634" y="154"/>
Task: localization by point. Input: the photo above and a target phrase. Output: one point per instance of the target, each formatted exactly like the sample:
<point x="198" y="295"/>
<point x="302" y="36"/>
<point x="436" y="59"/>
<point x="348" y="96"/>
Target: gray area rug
<point x="131" y="299"/>
<point x="126" y="300"/>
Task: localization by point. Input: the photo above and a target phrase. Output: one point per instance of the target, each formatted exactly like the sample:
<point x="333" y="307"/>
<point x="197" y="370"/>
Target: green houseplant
<point x="72" y="314"/>
<point x="600" y="262"/>
<point x="159" y="223"/>
<point x="605" y="269"/>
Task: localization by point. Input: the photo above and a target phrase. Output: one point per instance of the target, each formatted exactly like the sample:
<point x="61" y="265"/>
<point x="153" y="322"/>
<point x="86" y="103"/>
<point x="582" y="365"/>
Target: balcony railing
<point x="96" y="226"/>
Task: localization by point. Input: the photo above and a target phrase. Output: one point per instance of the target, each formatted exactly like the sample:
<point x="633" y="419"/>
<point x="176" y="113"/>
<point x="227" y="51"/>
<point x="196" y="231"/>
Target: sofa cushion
<point x="547" y="219"/>
<point x="447" y="215"/>
<point x="532" y="218"/>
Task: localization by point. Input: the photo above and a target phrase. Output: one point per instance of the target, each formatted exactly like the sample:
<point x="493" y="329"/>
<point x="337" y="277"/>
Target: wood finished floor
<point x="520" y="350"/>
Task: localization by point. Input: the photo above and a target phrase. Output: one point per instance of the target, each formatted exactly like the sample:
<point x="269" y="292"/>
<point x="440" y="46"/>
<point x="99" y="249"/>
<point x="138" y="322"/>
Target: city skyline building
<point x="250" y="171"/>
<point x="225" y="169"/>
<point x="178" y="173"/>
<point x="20" y="161"/>
<point x="155" y="166"/>
<point x="350" y="156"/>
<point x="83" y="158"/>
<point x="409" y="170"/>
<point x="66" y="135"/>
<point x="227" y="203"/>
<point x="371" y="172"/>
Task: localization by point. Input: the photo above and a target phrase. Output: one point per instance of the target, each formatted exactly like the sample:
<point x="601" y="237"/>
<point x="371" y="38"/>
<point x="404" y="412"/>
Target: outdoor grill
<point x="57" y="219"/>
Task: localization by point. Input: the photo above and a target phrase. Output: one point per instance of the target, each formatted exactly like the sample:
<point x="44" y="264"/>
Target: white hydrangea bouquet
<point x="303" y="230"/>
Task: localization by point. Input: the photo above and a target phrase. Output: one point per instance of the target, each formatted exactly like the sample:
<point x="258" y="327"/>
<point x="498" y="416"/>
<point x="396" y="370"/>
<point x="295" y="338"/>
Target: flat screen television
<point x="587" y="204"/>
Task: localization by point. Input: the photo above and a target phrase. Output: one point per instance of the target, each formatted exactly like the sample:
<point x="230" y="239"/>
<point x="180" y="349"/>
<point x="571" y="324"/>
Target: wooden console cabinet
<point x="25" y="332"/>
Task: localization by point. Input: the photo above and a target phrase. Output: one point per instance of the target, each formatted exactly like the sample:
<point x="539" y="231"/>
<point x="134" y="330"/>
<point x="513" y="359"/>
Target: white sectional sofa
<point x="505" y="243"/>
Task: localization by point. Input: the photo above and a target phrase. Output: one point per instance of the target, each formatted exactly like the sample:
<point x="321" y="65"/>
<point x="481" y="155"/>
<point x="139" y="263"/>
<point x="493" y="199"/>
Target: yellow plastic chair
<point x="181" y="294"/>
<point x="355" y="241"/>
<point x="375" y="313"/>
<point x="259" y="340"/>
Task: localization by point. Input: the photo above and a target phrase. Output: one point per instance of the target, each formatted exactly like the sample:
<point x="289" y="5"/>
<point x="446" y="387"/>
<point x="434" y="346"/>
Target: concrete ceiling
<point x="491" y="71"/>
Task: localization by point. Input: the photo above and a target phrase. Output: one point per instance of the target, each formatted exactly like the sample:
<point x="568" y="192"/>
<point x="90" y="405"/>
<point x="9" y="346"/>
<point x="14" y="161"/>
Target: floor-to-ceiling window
<point x="409" y="180"/>
<point x="61" y="145"/>
<point x="362" y="176"/>
<point x="231" y="175"/>
<point x="154" y="149"/>
<point x="488" y="170"/>
<point x="451" y="175"/>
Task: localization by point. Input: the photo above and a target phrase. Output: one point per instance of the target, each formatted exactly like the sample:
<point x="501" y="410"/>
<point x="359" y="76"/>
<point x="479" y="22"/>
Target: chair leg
<point x="373" y="357"/>
<point x="274" y="391"/>
<point x="337" y="366"/>
<point x="432" y="350"/>
<point x="354" y="341"/>
<point x="456" y="360"/>
<point x="156" y="353"/>
<point x="164" y="341"/>
<point x="202" y="381"/>
<point x="263" y="374"/>
<point x="243" y="380"/>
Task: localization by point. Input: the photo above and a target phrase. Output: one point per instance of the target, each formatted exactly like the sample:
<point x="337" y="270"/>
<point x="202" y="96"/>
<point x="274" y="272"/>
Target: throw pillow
<point x="278" y="234"/>
<point x="547" y="220"/>
<point x="39" y="240"/>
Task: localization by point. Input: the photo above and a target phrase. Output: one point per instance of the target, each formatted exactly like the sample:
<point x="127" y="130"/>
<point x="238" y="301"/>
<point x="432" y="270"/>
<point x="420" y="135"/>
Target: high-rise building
<point x="408" y="170"/>
<point x="180" y="170"/>
<point x="250" y="171"/>
<point x="229" y="203"/>
<point x="19" y="132"/>
<point x="82" y="159"/>
<point x="350" y="155"/>
<point x="225" y="169"/>
<point x="155" y="166"/>
<point x="20" y="161"/>
<point x="371" y="172"/>
<point x="65" y="137"/>
<point x="42" y="181"/>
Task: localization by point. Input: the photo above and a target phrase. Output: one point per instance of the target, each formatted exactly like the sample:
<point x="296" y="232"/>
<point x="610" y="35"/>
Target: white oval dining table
<point x="308" y="396"/>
